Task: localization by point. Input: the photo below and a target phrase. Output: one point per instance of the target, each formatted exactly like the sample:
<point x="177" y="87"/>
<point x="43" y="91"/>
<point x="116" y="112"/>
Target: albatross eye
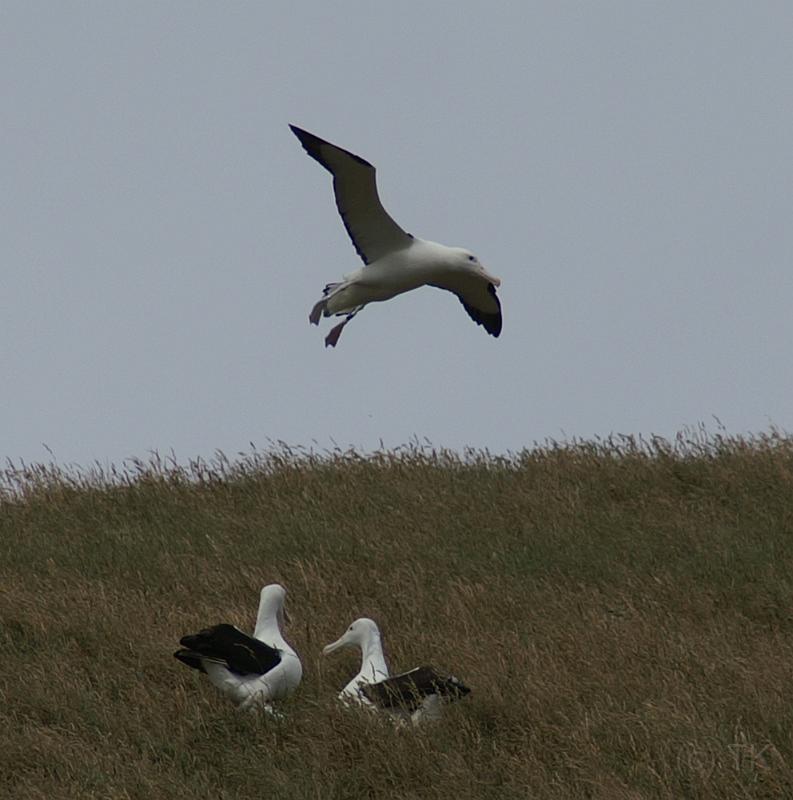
<point x="472" y="258"/>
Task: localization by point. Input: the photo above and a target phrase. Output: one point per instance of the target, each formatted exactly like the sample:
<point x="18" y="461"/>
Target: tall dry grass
<point x="622" y="610"/>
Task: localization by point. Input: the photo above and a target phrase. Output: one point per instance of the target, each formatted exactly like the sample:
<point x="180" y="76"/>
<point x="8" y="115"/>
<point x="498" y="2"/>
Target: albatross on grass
<point x="395" y="262"/>
<point x="251" y="670"/>
<point x="413" y="695"/>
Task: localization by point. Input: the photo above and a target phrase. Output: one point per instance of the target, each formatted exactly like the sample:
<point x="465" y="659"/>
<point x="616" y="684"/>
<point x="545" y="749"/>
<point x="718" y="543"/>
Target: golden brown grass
<point x="621" y="609"/>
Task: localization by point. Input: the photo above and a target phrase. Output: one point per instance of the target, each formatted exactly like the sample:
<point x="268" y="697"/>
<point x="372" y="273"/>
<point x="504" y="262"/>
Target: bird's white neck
<point x="373" y="664"/>
<point x="267" y="628"/>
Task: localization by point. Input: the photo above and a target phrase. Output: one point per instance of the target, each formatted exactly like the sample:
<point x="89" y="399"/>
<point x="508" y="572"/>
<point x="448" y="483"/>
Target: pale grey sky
<point x="625" y="167"/>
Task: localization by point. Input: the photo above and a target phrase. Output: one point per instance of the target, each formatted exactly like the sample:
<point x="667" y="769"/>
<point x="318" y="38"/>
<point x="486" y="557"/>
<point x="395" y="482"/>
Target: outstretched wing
<point x="409" y="690"/>
<point x="373" y="232"/>
<point x="479" y="299"/>
<point x="228" y="645"/>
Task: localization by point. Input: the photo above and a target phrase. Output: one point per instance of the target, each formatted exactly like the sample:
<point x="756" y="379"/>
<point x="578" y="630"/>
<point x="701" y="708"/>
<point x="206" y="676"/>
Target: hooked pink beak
<point x="333" y="646"/>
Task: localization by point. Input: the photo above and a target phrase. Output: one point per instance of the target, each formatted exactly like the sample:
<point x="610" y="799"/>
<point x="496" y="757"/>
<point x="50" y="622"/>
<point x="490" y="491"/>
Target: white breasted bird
<point x="253" y="671"/>
<point x="414" y="695"/>
<point x="395" y="261"/>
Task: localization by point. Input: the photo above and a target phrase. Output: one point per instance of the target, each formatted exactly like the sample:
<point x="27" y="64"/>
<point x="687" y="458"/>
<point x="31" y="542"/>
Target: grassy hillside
<point x="622" y="610"/>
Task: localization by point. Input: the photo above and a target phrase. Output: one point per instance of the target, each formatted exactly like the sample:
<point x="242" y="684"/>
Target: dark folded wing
<point x="409" y="690"/>
<point x="373" y="232"/>
<point x="241" y="653"/>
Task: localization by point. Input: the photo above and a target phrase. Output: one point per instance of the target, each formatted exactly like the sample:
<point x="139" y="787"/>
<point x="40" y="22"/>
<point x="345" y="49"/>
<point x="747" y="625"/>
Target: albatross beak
<point x="334" y="646"/>
<point x="492" y="278"/>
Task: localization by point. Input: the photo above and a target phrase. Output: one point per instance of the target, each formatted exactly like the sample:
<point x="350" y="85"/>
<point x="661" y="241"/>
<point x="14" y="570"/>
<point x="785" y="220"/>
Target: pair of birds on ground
<point x="395" y="261"/>
<point x="256" y="670"/>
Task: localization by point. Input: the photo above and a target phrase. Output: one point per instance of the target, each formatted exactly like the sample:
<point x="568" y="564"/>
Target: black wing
<point x="489" y="317"/>
<point x="479" y="299"/>
<point x="372" y="231"/>
<point x="241" y="653"/>
<point x="408" y="690"/>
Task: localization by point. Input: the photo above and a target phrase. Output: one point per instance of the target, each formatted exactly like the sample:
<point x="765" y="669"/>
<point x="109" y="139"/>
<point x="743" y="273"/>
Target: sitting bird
<point x="252" y="670"/>
<point x="414" y="695"/>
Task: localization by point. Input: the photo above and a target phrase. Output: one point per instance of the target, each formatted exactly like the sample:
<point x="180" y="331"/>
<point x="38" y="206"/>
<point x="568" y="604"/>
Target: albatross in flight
<point x="413" y="695"/>
<point x="251" y="670"/>
<point x="395" y="262"/>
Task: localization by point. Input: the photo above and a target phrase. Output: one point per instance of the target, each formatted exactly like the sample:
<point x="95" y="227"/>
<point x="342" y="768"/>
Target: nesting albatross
<point x="395" y="261"/>
<point x="252" y="670"/>
<point x="413" y="695"/>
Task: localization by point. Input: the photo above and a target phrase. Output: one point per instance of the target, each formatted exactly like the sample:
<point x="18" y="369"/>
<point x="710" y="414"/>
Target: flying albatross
<point x="251" y="670"/>
<point x="413" y="695"/>
<point x="395" y="262"/>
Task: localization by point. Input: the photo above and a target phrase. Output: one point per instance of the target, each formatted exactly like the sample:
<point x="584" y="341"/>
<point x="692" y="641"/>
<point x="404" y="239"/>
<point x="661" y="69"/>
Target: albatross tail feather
<point x="321" y="306"/>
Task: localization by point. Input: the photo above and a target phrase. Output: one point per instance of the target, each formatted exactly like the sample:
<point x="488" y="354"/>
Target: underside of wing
<point x="242" y="654"/>
<point x="372" y="231"/>
<point x="479" y="299"/>
<point x="409" y="690"/>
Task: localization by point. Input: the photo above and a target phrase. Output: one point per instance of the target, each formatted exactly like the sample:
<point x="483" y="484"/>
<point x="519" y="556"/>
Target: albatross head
<point x="359" y="634"/>
<point x="271" y="604"/>
<point x="467" y="261"/>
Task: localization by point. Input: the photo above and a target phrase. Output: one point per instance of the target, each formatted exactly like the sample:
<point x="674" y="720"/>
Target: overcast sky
<point x="626" y="168"/>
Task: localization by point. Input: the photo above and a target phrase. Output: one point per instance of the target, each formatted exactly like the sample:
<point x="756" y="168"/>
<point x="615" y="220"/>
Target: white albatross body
<point x="253" y="670"/>
<point x="410" y="696"/>
<point x="395" y="262"/>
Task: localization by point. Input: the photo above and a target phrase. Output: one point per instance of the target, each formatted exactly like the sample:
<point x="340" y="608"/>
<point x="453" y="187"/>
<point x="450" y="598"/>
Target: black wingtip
<point x="456" y="688"/>
<point x="493" y="323"/>
<point x="306" y="139"/>
<point x="190" y="659"/>
<point x="312" y="144"/>
<point x="490" y="322"/>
